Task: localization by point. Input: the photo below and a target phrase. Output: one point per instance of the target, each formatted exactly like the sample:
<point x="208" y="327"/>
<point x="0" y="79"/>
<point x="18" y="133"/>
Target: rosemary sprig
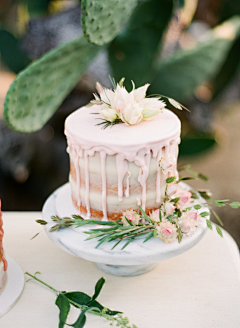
<point x="84" y="303"/>
<point x="107" y="123"/>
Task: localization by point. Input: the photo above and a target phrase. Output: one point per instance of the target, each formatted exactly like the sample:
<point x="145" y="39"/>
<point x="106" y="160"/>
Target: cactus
<point x="102" y="20"/>
<point x="132" y="53"/>
<point x="10" y="52"/>
<point x="181" y="74"/>
<point x="39" y="90"/>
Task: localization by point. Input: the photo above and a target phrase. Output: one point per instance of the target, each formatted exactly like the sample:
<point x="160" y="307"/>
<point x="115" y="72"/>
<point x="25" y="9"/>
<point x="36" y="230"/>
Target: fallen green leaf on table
<point x="86" y="304"/>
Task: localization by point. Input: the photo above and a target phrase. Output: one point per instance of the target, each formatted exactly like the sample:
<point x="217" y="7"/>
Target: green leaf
<point x="98" y="288"/>
<point x="149" y="236"/>
<point x="229" y="69"/>
<point x="197" y="207"/>
<point x="144" y="215"/>
<point x="209" y="224"/>
<point x="11" y="53"/>
<point x="81" y="320"/>
<point x="175" y="200"/>
<point x="133" y="52"/>
<point x="102" y="20"/>
<point x="160" y="215"/>
<point x="194" y="195"/>
<point x="220" y="203"/>
<point x="179" y="75"/>
<point x="219" y="231"/>
<point x="203" y="177"/>
<point x="129" y="222"/>
<point x="218" y="218"/>
<point x="79" y="298"/>
<point x="64" y="307"/>
<point x="42" y="222"/>
<point x="155" y="233"/>
<point x="127" y="243"/>
<point x="118" y="242"/>
<point x="170" y="179"/>
<point x="204" y="214"/>
<point x="40" y="89"/>
<point x="37" y="8"/>
<point x="186" y="178"/>
<point x="204" y="194"/>
<point x="235" y="204"/>
<point x="192" y="144"/>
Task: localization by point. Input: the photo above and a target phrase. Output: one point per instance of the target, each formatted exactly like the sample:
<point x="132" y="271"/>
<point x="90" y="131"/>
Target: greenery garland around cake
<point x="180" y="214"/>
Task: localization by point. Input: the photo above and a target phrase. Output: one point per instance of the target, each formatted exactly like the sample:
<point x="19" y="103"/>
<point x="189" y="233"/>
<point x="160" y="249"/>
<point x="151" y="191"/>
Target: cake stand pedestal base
<point x="137" y="258"/>
<point x="125" y="270"/>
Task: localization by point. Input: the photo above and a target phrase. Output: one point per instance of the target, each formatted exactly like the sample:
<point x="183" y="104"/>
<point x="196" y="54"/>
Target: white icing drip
<point x="87" y="197"/>
<point x="128" y="181"/>
<point x="143" y="161"/>
<point x="158" y="179"/>
<point x="77" y="169"/>
<point x="122" y="168"/>
<point x="138" y="201"/>
<point x="104" y="184"/>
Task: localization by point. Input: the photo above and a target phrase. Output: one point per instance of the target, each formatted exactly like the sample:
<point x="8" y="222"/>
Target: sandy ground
<point x="222" y="166"/>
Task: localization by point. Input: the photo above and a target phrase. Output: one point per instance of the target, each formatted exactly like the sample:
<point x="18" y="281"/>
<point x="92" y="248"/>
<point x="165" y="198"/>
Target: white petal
<point x="175" y="103"/>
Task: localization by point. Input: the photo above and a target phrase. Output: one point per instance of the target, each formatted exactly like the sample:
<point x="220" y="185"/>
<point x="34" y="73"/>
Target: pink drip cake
<point x="118" y="168"/>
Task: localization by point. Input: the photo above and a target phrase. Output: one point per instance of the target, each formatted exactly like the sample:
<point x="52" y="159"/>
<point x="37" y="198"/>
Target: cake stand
<point x="137" y="258"/>
<point x="13" y="287"/>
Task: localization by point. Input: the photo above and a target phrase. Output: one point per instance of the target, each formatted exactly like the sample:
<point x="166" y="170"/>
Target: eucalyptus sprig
<point x="84" y="303"/>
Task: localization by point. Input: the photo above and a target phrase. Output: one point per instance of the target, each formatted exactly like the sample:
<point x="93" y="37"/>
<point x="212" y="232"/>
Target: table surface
<point x="200" y="288"/>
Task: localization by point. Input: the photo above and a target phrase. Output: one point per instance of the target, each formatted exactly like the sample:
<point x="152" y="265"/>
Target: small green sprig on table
<point x="84" y="303"/>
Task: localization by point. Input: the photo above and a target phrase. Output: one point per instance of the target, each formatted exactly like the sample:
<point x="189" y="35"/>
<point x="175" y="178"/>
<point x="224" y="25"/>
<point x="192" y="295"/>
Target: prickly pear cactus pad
<point x="38" y="91"/>
<point x="133" y="52"/>
<point x="103" y="19"/>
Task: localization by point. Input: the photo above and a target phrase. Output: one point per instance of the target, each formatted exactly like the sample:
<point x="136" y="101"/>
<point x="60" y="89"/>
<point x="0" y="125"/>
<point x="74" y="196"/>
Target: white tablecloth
<point x="198" y="289"/>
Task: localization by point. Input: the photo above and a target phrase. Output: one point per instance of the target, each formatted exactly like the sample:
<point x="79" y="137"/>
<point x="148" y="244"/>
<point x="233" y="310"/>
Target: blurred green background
<point x="188" y="50"/>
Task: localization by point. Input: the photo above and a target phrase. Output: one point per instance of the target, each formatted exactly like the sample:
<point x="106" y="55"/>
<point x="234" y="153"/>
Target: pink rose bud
<point x="167" y="232"/>
<point x="184" y="197"/>
<point x="185" y="227"/>
<point x="171" y="189"/>
<point x="130" y="217"/>
<point x="192" y="215"/>
<point x="169" y="208"/>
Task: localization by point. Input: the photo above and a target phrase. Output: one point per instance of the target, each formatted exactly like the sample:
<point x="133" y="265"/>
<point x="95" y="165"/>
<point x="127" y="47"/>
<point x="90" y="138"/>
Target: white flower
<point x="169" y="208"/>
<point x="154" y="216"/>
<point x="167" y="231"/>
<point x="109" y="114"/>
<point x="185" y="199"/>
<point x="171" y="189"/>
<point x="189" y="222"/>
<point x="132" y="216"/>
<point x="139" y="93"/>
<point x="166" y="164"/>
<point x="131" y="107"/>
<point x="132" y="114"/>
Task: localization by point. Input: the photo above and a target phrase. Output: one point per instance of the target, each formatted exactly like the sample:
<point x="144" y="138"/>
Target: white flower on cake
<point x="167" y="231"/>
<point x="132" y="216"/>
<point x="166" y="164"/>
<point x="119" y="105"/>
